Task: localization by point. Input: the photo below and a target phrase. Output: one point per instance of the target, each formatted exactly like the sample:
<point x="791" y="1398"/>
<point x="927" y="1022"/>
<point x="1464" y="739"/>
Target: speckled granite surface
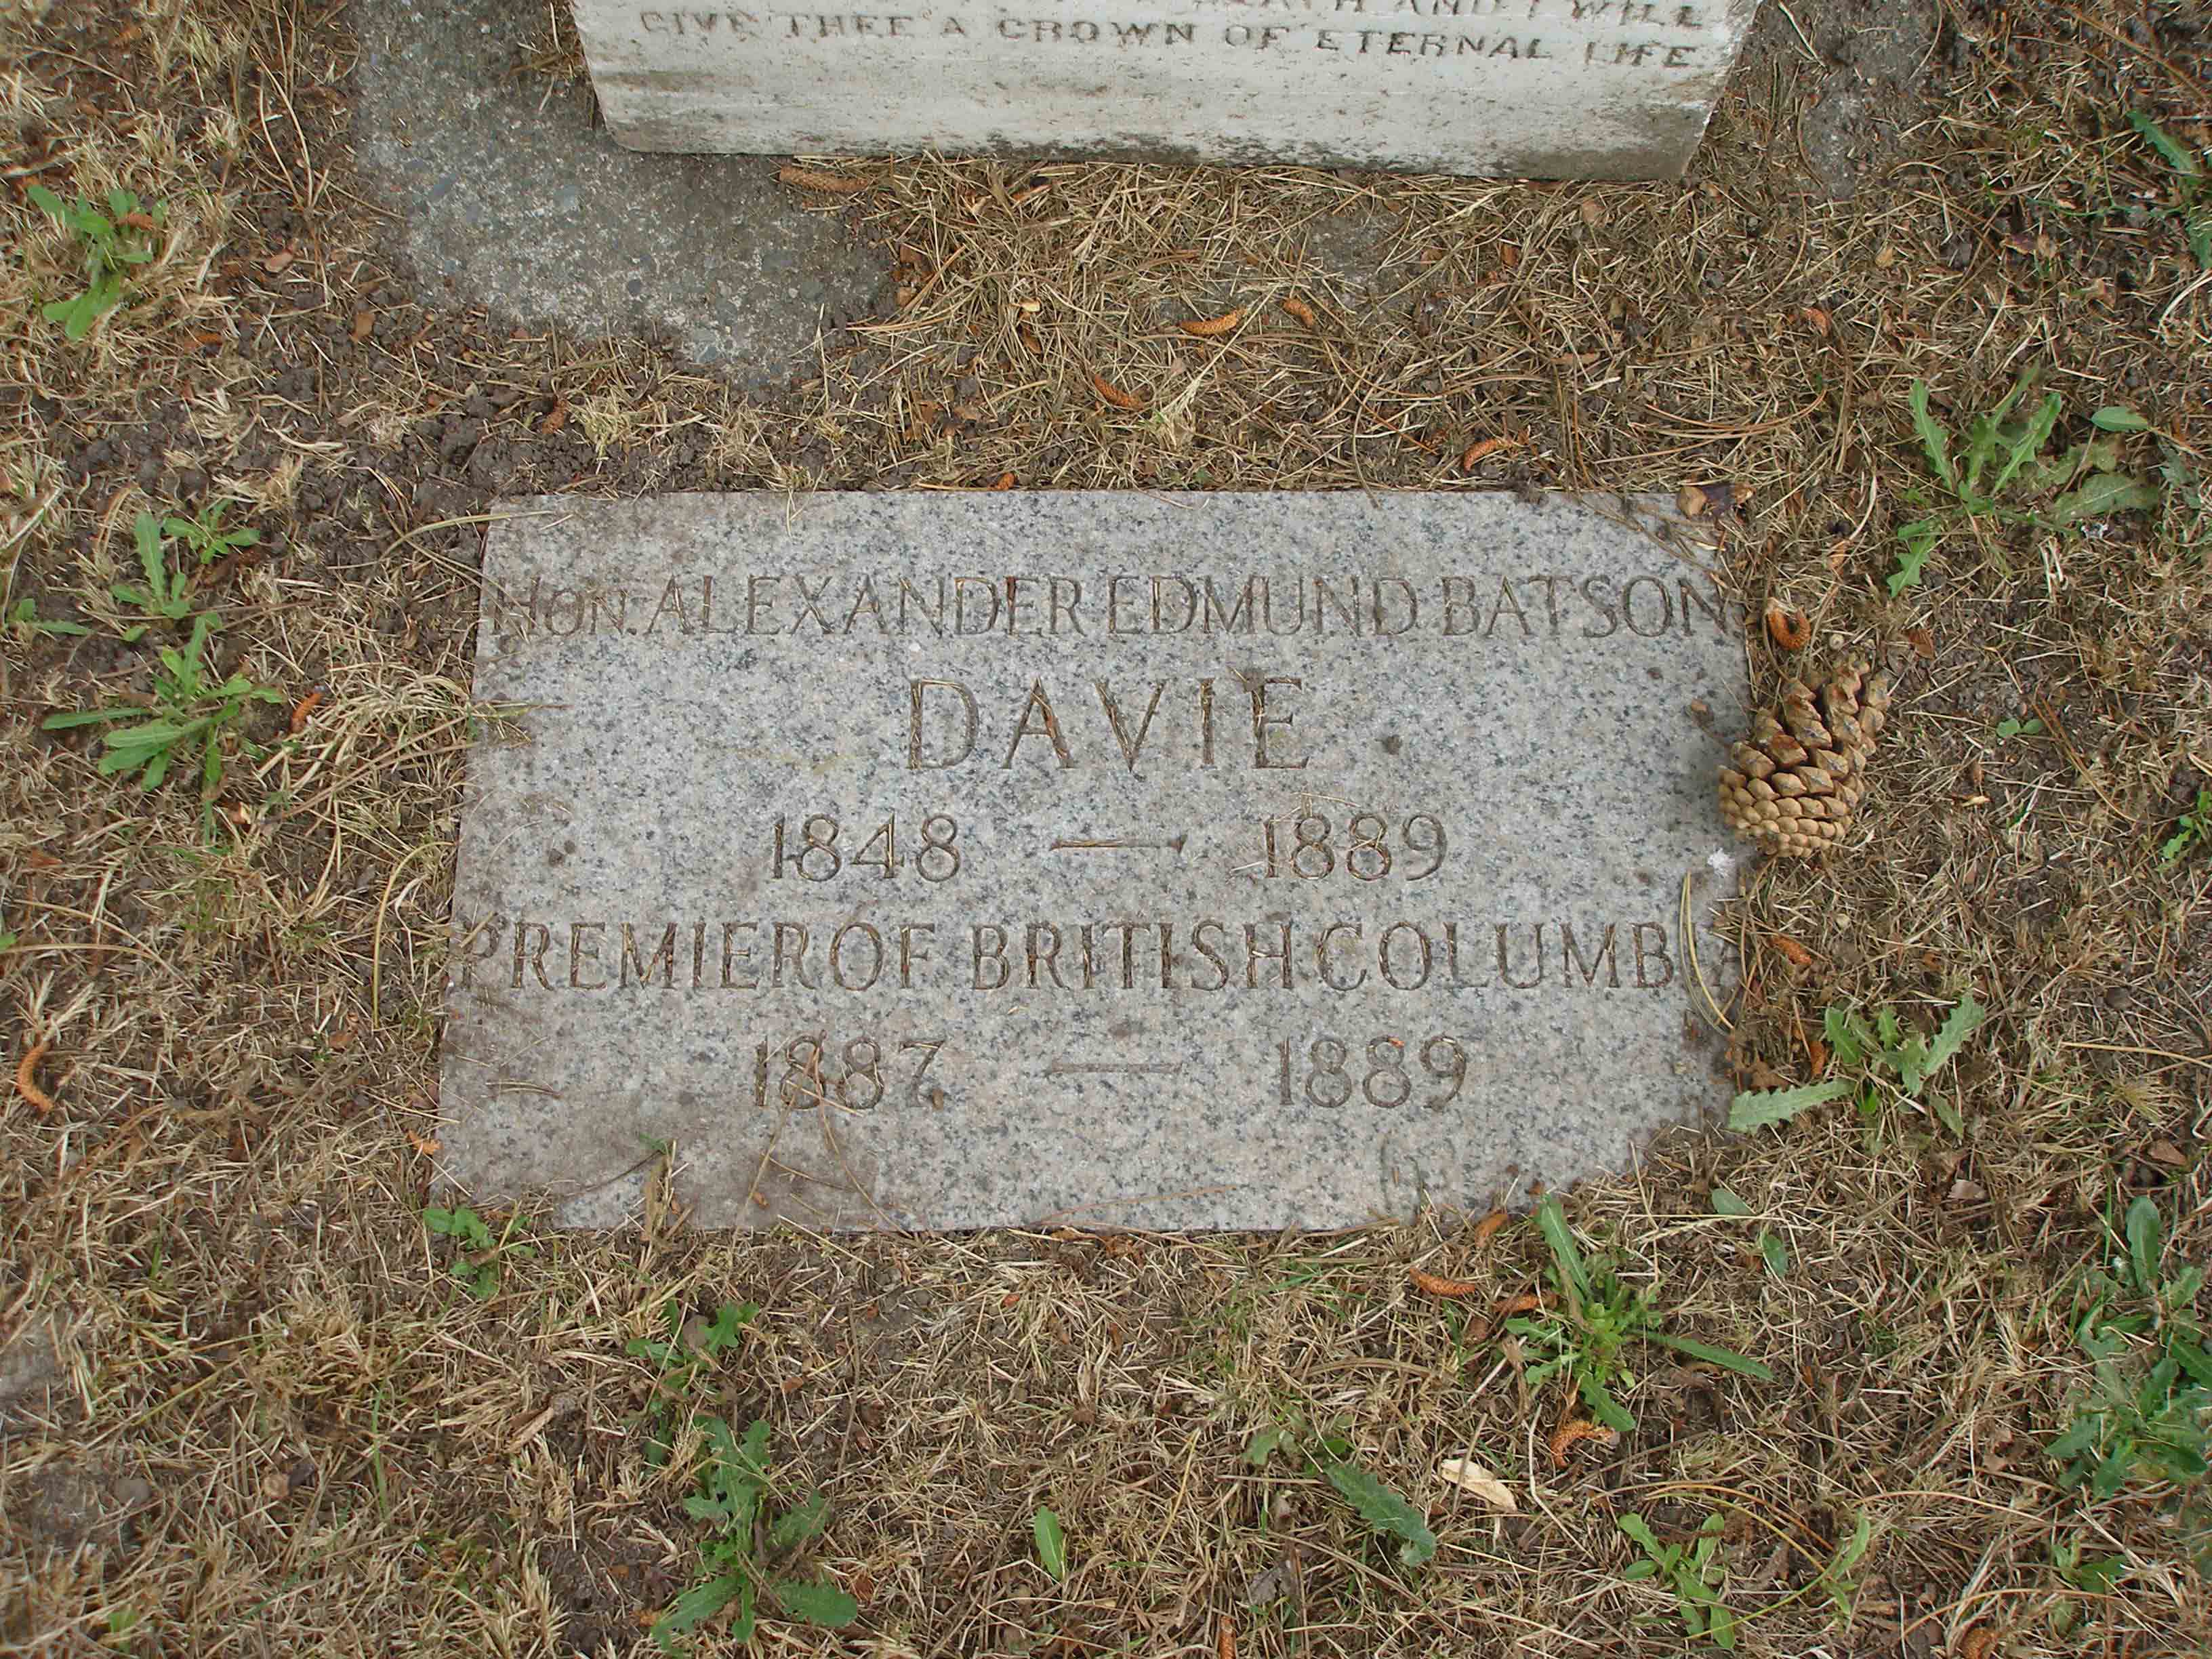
<point x="1194" y="860"/>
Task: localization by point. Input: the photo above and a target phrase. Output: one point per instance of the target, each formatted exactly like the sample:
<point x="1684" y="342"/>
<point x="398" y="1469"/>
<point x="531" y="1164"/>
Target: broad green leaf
<point x="1727" y="1203"/>
<point x="815" y="1604"/>
<point x="2029" y="442"/>
<point x="2113" y="418"/>
<point x="87" y="717"/>
<point x="1933" y="438"/>
<point x="1848" y="1552"/>
<point x="697" y="1605"/>
<point x="2103" y="493"/>
<point x="1720" y="1628"/>
<point x="1384" y="1511"/>
<point x="1552" y="1221"/>
<point x="2190" y="1357"/>
<point x="1633" y="1525"/>
<point x="1602" y="1405"/>
<point x="796" y="1526"/>
<point x="2175" y="156"/>
<point x="2146" y="1239"/>
<point x="146" y="531"/>
<point x="1712" y="1354"/>
<point x="729" y="1323"/>
<point x="48" y="203"/>
<point x="1051" y="1543"/>
<point x="1847" y="1034"/>
<point x="1958" y="1024"/>
<point x="1758" y="1109"/>
<point x="1918" y="541"/>
<point x="1775" y="1253"/>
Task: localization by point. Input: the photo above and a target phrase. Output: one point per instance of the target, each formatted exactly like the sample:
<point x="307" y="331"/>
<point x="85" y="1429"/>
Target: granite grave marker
<point x="1524" y="88"/>
<point x="1176" y="861"/>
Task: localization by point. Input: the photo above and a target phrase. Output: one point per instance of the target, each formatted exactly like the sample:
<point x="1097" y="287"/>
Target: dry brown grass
<point x="277" y="1426"/>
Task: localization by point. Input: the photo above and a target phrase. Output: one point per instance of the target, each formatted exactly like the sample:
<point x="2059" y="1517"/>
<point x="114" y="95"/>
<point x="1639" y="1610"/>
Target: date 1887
<point x="811" y="1071"/>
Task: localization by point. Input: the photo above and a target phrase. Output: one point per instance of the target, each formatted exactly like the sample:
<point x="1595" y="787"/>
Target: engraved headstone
<point x="1520" y="88"/>
<point x="1180" y="861"/>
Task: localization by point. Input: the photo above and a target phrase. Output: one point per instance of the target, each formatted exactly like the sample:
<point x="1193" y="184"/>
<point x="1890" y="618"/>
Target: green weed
<point x="1051" y="1543"/>
<point x="744" y="1539"/>
<point x="24" y="621"/>
<point x="2192" y="833"/>
<point x="128" y="235"/>
<point x="1910" y="1058"/>
<point x="2141" y="1419"/>
<point x="204" y="535"/>
<point x="191" y="713"/>
<point x="2094" y="1577"/>
<point x="683" y="1357"/>
<point x="191" y="709"/>
<point x="2192" y="186"/>
<point x="1586" y="1338"/>
<point x="477" y="1260"/>
<point x="1692" y="1570"/>
<point x="1331" y="1457"/>
<point x="2002" y="474"/>
<point x="164" y="598"/>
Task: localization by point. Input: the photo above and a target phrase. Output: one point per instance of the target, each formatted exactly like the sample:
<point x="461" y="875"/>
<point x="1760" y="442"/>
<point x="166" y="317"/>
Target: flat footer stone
<point x="943" y="860"/>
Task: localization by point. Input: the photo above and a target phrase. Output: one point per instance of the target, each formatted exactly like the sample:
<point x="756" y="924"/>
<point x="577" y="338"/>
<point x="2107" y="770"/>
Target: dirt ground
<point x="247" y="1405"/>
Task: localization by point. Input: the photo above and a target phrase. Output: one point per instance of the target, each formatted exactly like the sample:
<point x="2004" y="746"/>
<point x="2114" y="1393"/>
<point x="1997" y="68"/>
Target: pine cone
<point x="1794" y="783"/>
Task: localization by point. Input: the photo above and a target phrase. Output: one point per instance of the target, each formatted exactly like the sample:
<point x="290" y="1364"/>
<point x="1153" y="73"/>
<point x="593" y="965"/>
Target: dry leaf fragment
<point x="304" y="710"/>
<point x="555" y="417"/>
<point x="1436" y="1285"/>
<point x="278" y="260"/>
<point x="364" y="324"/>
<point x="1790" y="948"/>
<point x="1706" y="501"/>
<point x="1207" y="328"/>
<point x="1483" y="449"/>
<point x="1004" y="481"/>
<point x="1510" y="253"/>
<point x="1884" y="257"/>
<point x="1978" y="1642"/>
<point x="1792" y="630"/>
<point x="1526" y="1302"/>
<point x="1114" y="394"/>
<point x="1923" y="643"/>
<point x="1299" y="309"/>
<point x="27" y="1083"/>
<point x="1470" y="1476"/>
<point x="2165" y="1151"/>
<point x="1816" y="317"/>
<point x="829" y="183"/>
<point x="1581" y="1428"/>
<point x="426" y="1145"/>
<point x="1486" y="1229"/>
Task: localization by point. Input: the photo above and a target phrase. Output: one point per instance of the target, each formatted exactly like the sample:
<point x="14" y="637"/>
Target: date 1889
<point x="1331" y="1077"/>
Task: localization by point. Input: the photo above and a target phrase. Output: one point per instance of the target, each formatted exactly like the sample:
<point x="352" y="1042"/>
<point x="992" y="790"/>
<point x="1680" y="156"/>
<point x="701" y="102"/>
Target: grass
<point x="275" y="1421"/>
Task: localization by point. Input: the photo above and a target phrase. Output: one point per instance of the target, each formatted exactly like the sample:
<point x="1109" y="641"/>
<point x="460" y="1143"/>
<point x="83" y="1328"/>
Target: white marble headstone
<point x="1513" y="89"/>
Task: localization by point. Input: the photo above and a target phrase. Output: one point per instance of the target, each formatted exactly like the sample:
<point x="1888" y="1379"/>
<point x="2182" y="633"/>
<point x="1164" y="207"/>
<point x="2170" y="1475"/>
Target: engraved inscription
<point x="945" y="860"/>
<point x="1579" y="34"/>
<point x="1505" y="608"/>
